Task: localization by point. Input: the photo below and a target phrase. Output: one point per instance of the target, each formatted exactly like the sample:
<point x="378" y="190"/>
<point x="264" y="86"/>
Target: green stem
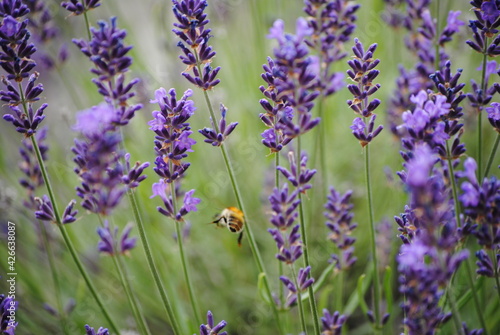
<point x="457" y="218"/>
<point x="87" y="24"/>
<point x="305" y="248"/>
<point x="60" y="225"/>
<point x="299" y="300"/>
<point x="438" y="28"/>
<point x="376" y="282"/>
<point x="119" y="267"/>
<point x="480" y="115"/>
<point x="55" y="277"/>
<point x="192" y="299"/>
<point x="454" y="312"/>
<point x="152" y="266"/>
<point x="250" y="236"/>
<point x="340" y="289"/>
<point x="492" y="255"/>
<point x="492" y="156"/>
<point x="322" y="146"/>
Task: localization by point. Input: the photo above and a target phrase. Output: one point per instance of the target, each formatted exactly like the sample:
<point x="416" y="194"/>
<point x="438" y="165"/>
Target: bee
<point x="233" y="219"/>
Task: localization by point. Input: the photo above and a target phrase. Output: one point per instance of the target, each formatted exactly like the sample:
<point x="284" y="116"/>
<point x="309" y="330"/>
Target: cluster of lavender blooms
<point x="421" y="42"/>
<point x="333" y="24"/>
<point x="332" y="323"/>
<point x="197" y="55"/>
<point x="481" y="204"/>
<point x="339" y="221"/>
<point x="101" y="164"/>
<point x="291" y="78"/>
<point x="286" y="233"/>
<point x="426" y="263"/>
<point x="8" y="308"/>
<point x="172" y="143"/>
<point x="16" y="53"/>
<point x="210" y="329"/>
<point x="363" y="73"/>
<point x="484" y="29"/>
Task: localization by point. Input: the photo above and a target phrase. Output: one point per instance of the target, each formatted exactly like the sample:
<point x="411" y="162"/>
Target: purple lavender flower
<point x="172" y="140"/>
<point x="7" y="307"/>
<point x="333" y="24"/>
<point x="494" y="115"/>
<point x="447" y="85"/>
<point x="14" y="8"/>
<point x="101" y="331"/>
<point x="194" y="42"/>
<point x="363" y="73"/>
<point x="29" y="166"/>
<point x="111" y="243"/>
<point x="425" y="270"/>
<point x="108" y="52"/>
<point x="293" y="289"/>
<point x="45" y="211"/>
<point x="162" y="190"/>
<point x="484" y="28"/>
<point x="471" y="332"/>
<point x="79" y="7"/>
<point x="288" y="243"/>
<point x="210" y="329"/>
<point x="298" y="176"/>
<point x="339" y="216"/>
<point x="332" y="323"/>
<point x="453" y="25"/>
<point x="214" y="138"/>
<point x="284" y="207"/>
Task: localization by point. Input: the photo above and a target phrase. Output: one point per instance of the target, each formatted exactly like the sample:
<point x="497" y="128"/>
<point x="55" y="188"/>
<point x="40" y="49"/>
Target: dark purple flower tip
<point x="210" y="329"/>
<point x="69" y="215"/>
<point x="90" y="331"/>
<point x="45" y="210"/>
<point x="126" y="242"/>
<point x="471" y="332"/>
<point x="303" y="279"/>
<point x="494" y="115"/>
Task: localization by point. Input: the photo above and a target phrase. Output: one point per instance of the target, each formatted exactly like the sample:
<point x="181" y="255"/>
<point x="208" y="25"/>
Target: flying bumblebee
<point x="233" y="219"/>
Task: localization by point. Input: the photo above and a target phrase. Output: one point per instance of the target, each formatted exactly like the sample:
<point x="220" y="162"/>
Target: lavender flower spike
<point x="214" y="138"/>
<point x="332" y="323"/>
<point x="109" y="240"/>
<point x="298" y="176"/>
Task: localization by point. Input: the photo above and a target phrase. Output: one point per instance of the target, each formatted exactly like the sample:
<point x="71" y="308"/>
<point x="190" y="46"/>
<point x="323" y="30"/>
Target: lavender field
<point x="240" y="167"/>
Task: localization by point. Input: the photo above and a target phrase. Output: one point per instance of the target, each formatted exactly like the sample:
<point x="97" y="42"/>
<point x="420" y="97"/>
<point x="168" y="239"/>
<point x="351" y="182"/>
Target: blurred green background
<point x="224" y="276"/>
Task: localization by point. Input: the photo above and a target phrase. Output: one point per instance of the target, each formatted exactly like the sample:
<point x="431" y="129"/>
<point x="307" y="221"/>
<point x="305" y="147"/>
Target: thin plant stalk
<point x="480" y="115"/>
<point x="303" y="232"/>
<point x="492" y="156"/>
<point x="55" y="277"/>
<point x="61" y="226"/>
<point x="87" y="24"/>
<point x="455" y="312"/>
<point x="251" y="239"/>
<point x="376" y="282"/>
<point x="299" y="300"/>
<point x="120" y="269"/>
<point x="277" y="185"/>
<point x="192" y="297"/>
<point x="152" y="265"/>
<point x="468" y="271"/>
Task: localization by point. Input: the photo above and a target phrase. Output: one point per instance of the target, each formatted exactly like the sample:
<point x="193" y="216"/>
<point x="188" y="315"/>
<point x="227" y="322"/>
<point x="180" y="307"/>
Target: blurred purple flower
<point x="8" y="306"/>
<point x="90" y="331"/>
<point x="332" y="323"/>
<point x="111" y="243"/>
<point x="78" y="7"/>
<point x="14" y="8"/>
<point x="302" y="282"/>
<point x="494" y="115"/>
<point x="338" y="220"/>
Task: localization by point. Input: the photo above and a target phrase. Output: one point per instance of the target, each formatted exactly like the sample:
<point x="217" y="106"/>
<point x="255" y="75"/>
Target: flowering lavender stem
<point x="277" y="185"/>
<point x="55" y="277"/>
<point x="312" y="298"/>
<point x="152" y="265"/>
<point x="194" y="304"/>
<point x="376" y="282"/>
<point x="457" y="218"/>
<point x="230" y="171"/>
<point x="120" y="269"/>
<point x="61" y="227"/>
<point x="492" y="155"/>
